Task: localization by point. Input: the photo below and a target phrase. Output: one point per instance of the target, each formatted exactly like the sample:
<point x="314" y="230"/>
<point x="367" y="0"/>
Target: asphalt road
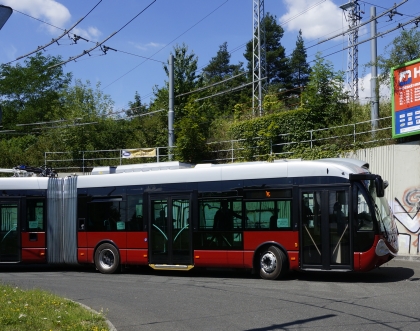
<point x="143" y="299"/>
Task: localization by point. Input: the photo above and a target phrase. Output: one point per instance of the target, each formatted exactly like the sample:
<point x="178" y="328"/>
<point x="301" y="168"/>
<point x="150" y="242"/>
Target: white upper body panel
<point x="23" y="183"/>
<point x="201" y="173"/>
<point x="235" y="171"/>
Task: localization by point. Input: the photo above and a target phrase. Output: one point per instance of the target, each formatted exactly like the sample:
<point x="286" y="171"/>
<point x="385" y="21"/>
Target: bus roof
<point x="184" y="173"/>
<point x="176" y="172"/>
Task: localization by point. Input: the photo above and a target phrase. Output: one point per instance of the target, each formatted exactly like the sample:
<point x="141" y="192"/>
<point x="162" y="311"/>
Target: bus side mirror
<point x="380" y="186"/>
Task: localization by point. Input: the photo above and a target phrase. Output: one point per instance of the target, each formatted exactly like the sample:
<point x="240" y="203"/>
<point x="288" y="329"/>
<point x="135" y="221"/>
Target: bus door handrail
<point x="163" y="233"/>
<point x="312" y="239"/>
<point x="12" y="229"/>
<point x="184" y="227"/>
<point x="339" y="240"/>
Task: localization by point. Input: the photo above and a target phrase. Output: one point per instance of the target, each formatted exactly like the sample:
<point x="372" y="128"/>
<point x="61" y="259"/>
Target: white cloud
<point x="47" y="10"/>
<point x="316" y="18"/>
<point x="365" y="92"/>
<point x="148" y="46"/>
<point x="10" y="51"/>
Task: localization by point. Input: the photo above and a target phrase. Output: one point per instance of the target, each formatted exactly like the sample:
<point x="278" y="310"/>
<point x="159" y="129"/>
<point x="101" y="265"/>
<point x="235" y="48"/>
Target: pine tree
<point x="300" y="69"/>
<point x="278" y="71"/>
<point x="219" y="69"/>
<point x="219" y="66"/>
<point x="136" y="107"/>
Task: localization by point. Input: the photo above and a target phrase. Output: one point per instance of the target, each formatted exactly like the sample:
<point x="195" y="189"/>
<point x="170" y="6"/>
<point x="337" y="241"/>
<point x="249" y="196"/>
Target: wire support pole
<point x="374" y="93"/>
<point x="352" y="8"/>
<point x="258" y="57"/>
<point x="171" y="107"/>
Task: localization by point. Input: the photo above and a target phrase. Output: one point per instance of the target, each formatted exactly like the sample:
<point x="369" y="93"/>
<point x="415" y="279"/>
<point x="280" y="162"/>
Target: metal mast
<point x="352" y="9"/>
<point x="259" y="69"/>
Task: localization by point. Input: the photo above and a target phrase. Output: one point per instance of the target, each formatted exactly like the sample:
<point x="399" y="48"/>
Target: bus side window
<point x="271" y="214"/>
<point x="106" y="216"/>
<point x="135" y="213"/>
<point x="364" y="216"/>
<point x="35" y="214"/>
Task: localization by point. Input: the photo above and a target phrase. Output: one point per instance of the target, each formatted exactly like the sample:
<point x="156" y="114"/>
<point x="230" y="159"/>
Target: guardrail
<point x="84" y="161"/>
<point x="360" y="133"/>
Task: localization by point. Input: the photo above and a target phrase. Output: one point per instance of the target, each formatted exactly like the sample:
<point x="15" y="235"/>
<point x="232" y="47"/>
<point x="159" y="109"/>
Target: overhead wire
<point x="341" y="50"/>
<point x="66" y="32"/>
<point x="232" y="51"/>
<point x="99" y="44"/>
<point x="114" y="81"/>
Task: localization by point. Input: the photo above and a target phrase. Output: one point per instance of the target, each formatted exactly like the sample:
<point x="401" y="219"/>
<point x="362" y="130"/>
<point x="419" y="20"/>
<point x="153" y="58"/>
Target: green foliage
<point x="39" y="310"/>
<point x="17" y="150"/>
<point x="136" y="107"/>
<point x="83" y="101"/>
<point x="317" y="152"/>
<point x="300" y="69"/>
<point x="261" y="135"/>
<point x="31" y="92"/>
<point x="271" y="103"/>
<point x="404" y="48"/>
<point x="220" y="69"/>
<point x="192" y="131"/>
<point x="324" y="95"/>
<point x="185" y="79"/>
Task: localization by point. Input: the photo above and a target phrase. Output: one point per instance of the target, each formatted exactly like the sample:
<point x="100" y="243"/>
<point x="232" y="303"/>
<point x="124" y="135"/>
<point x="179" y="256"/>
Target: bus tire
<point x="272" y="263"/>
<point x="107" y="258"/>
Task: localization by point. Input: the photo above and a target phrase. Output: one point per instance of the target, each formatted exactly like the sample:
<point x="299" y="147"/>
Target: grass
<point x="31" y="310"/>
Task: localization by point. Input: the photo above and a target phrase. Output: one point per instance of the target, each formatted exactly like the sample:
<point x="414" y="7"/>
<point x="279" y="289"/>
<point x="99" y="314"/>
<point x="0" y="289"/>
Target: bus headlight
<point x="381" y="248"/>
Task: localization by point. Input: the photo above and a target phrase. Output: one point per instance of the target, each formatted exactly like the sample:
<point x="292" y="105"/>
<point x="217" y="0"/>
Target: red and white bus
<point x="270" y="217"/>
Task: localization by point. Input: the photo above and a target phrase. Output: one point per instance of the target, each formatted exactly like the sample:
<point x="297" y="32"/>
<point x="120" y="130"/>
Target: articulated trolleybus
<point x="270" y="217"/>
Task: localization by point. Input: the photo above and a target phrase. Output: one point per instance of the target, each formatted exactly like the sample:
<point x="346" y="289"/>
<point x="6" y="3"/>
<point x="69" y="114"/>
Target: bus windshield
<point x="384" y="215"/>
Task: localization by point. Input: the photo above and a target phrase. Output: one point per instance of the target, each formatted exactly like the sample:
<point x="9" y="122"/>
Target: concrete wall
<point x="400" y="166"/>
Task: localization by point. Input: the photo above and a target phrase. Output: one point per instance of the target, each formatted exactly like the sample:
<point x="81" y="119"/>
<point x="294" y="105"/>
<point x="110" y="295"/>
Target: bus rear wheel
<point x="272" y="263"/>
<point x="107" y="258"/>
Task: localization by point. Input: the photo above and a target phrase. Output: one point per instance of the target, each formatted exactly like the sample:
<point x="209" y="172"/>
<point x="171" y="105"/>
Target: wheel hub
<point x="268" y="262"/>
<point x="106" y="258"/>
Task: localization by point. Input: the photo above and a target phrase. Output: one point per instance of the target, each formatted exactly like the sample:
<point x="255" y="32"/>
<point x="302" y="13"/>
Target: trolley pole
<point x="171" y="107"/>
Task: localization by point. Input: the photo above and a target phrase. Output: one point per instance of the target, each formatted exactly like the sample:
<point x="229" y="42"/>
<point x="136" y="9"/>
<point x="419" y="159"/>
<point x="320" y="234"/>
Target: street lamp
<point x="5" y="13"/>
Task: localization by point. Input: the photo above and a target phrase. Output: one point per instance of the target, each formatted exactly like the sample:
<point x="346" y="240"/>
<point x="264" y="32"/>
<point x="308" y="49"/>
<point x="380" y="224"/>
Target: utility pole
<point x="171" y="107"/>
<point x="259" y="65"/>
<point x="374" y="93"/>
<point x="352" y="9"/>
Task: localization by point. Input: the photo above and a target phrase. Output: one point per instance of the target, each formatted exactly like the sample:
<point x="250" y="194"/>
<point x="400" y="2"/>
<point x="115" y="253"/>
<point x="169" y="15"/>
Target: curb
<point x="408" y="257"/>
<point x="110" y="325"/>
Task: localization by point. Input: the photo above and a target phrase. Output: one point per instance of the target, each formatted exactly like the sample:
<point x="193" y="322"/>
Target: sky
<point x="148" y="30"/>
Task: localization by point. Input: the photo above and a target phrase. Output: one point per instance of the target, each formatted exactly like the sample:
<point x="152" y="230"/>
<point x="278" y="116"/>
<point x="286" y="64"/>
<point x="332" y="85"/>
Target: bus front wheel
<point x="272" y="263"/>
<point x="107" y="258"/>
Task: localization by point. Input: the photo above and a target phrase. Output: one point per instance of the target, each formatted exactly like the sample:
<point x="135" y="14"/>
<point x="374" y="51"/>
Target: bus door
<point x="326" y="241"/>
<point x="9" y="231"/>
<point x="170" y="231"/>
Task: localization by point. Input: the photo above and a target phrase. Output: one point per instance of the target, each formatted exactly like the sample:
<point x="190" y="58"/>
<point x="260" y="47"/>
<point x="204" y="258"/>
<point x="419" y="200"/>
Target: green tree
<point x="324" y="95"/>
<point x="404" y="48"/>
<point x="219" y="66"/>
<point x="185" y="78"/>
<point x="31" y="92"/>
<point x="220" y="69"/>
<point x="300" y="69"/>
<point x="136" y="107"/>
<point x="192" y="132"/>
